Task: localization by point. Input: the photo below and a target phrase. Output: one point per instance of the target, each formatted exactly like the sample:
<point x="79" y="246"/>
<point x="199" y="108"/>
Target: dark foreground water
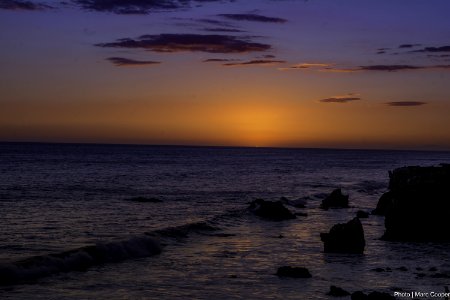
<point x="55" y="198"/>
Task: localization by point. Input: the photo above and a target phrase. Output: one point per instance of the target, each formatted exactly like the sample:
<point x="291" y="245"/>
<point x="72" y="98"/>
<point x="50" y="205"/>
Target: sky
<point x="262" y="73"/>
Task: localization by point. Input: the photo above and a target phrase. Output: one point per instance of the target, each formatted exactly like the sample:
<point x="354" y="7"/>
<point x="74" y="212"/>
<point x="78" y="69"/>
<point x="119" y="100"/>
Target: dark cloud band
<point x="190" y="43"/>
<point x="253" y="18"/>
<point x="405" y="103"/>
<point x="126" y="62"/>
<point x="340" y="99"/>
<point x="22" y="5"/>
<point x="259" y="62"/>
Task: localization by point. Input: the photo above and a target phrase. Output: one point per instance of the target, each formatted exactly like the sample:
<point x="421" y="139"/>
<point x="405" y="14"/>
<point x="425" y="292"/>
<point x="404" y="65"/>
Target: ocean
<point x="60" y="201"/>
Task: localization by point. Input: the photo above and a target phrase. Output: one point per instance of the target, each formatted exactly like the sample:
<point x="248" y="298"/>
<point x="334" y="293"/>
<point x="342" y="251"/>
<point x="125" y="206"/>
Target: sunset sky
<point x="282" y="73"/>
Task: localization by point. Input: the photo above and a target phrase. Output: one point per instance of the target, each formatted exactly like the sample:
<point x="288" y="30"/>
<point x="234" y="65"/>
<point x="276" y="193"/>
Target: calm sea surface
<point x="59" y="197"/>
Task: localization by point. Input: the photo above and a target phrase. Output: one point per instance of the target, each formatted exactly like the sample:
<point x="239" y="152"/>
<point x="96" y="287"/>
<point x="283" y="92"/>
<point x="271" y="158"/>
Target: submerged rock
<point x="345" y="238"/>
<point x="145" y="200"/>
<point x="294" y="272"/>
<point x="337" y="292"/>
<point x="335" y="200"/>
<point x="271" y="210"/>
<point x="418" y="204"/>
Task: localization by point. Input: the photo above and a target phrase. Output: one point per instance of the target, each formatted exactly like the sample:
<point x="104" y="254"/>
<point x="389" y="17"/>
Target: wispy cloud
<point x="222" y="30"/>
<point x="304" y="66"/>
<point x="403" y="46"/>
<point x="258" y="62"/>
<point x="219" y="60"/>
<point x="341" y="99"/>
<point x="190" y="43"/>
<point x="434" y="49"/>
<point x="385" y="68"/>
<point x="253" y="18"/>
<point x="22" y="5"/>
<point x="137" y="6"/>
<point x="126" y="62"/>
<point x="405" y="103"/>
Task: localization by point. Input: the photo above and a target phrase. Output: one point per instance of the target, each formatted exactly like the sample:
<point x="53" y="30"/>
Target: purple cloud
<point x="190" y="43"/>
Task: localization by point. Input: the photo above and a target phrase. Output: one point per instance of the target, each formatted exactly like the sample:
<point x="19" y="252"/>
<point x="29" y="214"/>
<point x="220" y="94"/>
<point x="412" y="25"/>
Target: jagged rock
<point x="383" y="204"/>
<point x="337" y="292"/>
<point x="294" y="272"/>
<point x="145" y="199"/>
<point x="335" y="200"/>
<point x="345" y="238"/>
<point x="358" y="295"/>
<point x="419" y="204"/>
<point x="271" y="210"/>
<point x="362" y="214"/>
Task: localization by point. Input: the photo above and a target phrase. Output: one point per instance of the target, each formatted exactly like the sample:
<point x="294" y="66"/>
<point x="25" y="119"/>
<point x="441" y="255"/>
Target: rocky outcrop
<point x="271" y="210"/>
<point x="345" y="238"/>
<point x="383" y="204"/>
<point x="335" y="200"/>
<point x="417" y="206"/>
<point x="337" y="292"/>
<point x="294" y="272"/>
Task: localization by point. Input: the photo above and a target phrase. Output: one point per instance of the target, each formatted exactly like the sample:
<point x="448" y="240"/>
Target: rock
<point x="337" y="292"/>
<point x="144" y="199"/>
<point x="362" y="214"/>
<point x="335" y="200"/>
<point x="345" y="238"/>
<point x="383" y="204"/>
<point x="271" y="210"/>
<point x="358" y="295"/>
<point x="419" y="204"/>
<point x="403" y="269"/>
<point x="432" y="269"/>
<point x="294" y="272"/>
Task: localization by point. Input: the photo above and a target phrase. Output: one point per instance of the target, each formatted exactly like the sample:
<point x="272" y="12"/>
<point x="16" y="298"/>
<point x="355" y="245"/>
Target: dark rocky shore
<point x="417" y="205"/>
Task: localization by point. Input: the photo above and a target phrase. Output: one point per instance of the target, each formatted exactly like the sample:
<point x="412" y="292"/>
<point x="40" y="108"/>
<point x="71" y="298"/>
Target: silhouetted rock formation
<point x="337" y="292"/>
<point x="335" y="200"/>
<point x="383" y="204"/>
<point x="145" y="200"/>
<point x="294" y="272"/>
<point x="345" y="238"/>
<point x="362" y="214"/>
<point x="271" y="210"/>
<point x="418" y="204"/>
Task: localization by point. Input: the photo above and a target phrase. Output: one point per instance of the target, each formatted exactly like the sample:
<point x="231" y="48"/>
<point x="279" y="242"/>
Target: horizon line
<point x="223" y="146"/>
